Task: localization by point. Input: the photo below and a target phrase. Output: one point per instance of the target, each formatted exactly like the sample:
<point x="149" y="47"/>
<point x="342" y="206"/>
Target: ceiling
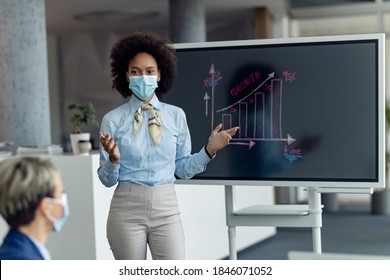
<point x="121" y="15"/>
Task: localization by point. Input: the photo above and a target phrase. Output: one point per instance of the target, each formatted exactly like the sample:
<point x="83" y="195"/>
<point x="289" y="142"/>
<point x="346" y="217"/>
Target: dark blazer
<point x="17" y="246"/>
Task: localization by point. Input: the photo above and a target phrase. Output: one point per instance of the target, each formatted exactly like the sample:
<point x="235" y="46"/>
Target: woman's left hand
<point x="220" y="139"/>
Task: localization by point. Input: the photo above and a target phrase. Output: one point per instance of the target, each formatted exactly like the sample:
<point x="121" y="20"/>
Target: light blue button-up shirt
<point x="141" y="161"/>
<point x="42" y="249"/>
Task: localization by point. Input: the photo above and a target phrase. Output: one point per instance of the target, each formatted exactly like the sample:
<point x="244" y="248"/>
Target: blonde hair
<point x="24" y="182"/>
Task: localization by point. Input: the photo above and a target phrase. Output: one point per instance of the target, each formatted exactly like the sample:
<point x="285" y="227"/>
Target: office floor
<point x="350" y="230"/>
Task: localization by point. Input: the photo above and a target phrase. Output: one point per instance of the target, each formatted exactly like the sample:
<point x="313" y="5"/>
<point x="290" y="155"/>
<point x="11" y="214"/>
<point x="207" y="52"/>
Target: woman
<point x="143" y="149"/>
<point x="33" y="203"/>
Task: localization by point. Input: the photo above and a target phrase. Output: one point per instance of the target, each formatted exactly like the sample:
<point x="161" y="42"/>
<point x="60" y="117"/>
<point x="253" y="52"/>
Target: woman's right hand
<point x="110" y="147"/>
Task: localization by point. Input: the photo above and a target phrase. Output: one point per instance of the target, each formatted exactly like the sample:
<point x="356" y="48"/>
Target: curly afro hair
<point x="127" y="47"/>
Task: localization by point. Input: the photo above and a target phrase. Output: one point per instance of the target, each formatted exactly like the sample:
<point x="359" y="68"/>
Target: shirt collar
<point x="135" y="103"/>
<point x="42" y="249"/>
<point x="155" y="102"/>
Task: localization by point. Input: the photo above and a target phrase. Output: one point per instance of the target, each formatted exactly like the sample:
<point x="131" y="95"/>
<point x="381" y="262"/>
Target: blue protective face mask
<point x="143" y="86"/>
<point x="59" y="223"/>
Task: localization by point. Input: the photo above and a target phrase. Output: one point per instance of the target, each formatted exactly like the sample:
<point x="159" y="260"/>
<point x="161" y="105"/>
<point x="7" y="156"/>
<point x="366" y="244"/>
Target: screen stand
<point x="315" y="209"/>
<point x="282" y="215"/>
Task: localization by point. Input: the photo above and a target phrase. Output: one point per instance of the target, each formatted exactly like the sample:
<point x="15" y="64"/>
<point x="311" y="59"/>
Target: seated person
<point x="33" y="203"/>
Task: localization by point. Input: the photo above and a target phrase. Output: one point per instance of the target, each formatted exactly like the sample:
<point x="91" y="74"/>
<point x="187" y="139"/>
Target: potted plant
<point x="82" y="116"/>
<point x="380" y="202"/>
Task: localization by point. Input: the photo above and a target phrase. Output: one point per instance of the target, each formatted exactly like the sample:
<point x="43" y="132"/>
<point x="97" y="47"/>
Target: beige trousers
<point x="141" y="216"/>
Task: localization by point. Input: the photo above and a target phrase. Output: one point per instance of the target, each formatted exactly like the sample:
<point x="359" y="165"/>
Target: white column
<point x="187" y="21"/>
<point x="24" y="94"/>
<point x="281" y="26"/>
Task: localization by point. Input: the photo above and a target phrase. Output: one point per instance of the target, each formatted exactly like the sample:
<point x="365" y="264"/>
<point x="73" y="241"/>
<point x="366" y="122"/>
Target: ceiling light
<point x="115" y="16"/>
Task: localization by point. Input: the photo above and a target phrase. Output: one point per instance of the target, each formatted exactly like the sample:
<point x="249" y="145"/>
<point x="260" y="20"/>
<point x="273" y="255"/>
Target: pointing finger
<point x="232" y="131"/>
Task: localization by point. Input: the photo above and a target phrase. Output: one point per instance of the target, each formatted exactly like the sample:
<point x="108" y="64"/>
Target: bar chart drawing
<point x="258" y="114"/>
<point x="226" y="121"/>
<point x="243" y="119"/>
<point x="276" y="108"/>
<point x="259" y="126"/>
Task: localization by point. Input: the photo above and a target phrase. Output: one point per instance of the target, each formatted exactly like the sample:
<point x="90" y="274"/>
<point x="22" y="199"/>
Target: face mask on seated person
<point x="59" y="223"/>
<point x="143" y="86"/>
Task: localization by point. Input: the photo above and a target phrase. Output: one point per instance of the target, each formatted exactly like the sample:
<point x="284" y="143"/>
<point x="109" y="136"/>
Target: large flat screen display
<point x="310" y="110"/>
